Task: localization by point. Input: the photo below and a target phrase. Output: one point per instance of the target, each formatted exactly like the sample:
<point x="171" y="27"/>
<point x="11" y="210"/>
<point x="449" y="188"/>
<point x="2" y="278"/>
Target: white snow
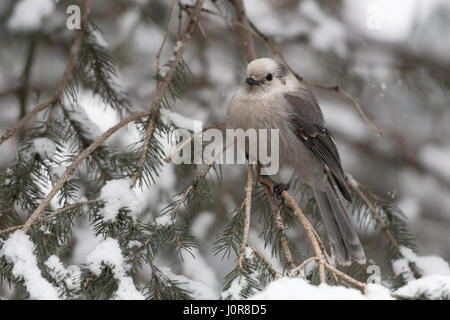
<point x="164" y="220"/>
<point x="428" y="265"/>
<point x="328" y="33"/>
<point x="108" y="253"/>
<point x="57" y="172"/>
<point x="299" y="289"/>
<point x="45" y="147"/>
<point x="235" y="289"/>
<point x="201" y="224"/>
<point x="116" y="194"/>
<point x="436" y="158"/>
<point x="90" y="129"/>
<point x="180" y="121"/>
<point x="69" y="275"/>
<point x="434" y="272"/>
<point x="431" y="287"/>
<point x="178" y="46"/>
<point x="198" y="289"/>
<point x="196" y="268"/>
<point x="28" y="15"/>
<point x="99" y="38"/>
<point x="18" y="249"/>
<point x="163" y="71"/>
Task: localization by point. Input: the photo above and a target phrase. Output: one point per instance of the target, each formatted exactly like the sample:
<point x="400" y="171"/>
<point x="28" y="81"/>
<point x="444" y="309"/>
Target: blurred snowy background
<point x="393" y="56"/>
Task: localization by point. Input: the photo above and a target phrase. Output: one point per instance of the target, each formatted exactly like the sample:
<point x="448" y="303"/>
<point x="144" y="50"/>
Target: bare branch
<point x="346" y="277"/>
<point x="246" y="37"/>
<point x="248" y="206"/>
<point x="296" y="270"/>
<point x="166" y="34"/>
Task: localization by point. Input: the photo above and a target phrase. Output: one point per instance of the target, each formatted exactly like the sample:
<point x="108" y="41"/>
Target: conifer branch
<point x="166" y="34"/>
<point x="305" y="222"/>
<point x="267" y="262"/>
<point x="195" y="183"/>
<point x="280" y="227"/>
<point x="53" y="214"/>
<point x="355" y="186"/>
<point x="152" y="113"/>
<point x="70" y="169"/>
<point x="187" y="141"/>
<point x="156" y="103"/>
<point x="75" y="49"/>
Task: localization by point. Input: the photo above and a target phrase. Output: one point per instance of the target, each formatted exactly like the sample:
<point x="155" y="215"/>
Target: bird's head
<point x="266" y="73"/>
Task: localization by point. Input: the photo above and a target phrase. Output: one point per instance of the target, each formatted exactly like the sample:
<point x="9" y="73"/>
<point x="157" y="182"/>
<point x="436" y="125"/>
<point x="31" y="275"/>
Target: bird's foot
<point x="279" y="188"/>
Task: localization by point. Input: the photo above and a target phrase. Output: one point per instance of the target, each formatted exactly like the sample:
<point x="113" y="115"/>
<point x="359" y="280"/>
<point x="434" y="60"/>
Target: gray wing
<point x="306" y="120"/>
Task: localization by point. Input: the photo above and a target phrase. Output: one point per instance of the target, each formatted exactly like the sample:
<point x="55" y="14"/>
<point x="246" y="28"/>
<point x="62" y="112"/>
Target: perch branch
<point x="301" y="266"/>
<point x="248" y="206"/>
<point x="280" y="227"/>
<point x="304" y="221"/>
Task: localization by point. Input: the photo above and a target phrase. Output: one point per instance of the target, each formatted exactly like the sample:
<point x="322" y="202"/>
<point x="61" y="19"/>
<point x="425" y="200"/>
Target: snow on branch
<point x="18" y="250"/>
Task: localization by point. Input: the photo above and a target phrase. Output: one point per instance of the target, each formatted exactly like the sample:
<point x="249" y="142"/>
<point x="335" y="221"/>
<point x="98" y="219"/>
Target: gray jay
<point x="272" y="98"/>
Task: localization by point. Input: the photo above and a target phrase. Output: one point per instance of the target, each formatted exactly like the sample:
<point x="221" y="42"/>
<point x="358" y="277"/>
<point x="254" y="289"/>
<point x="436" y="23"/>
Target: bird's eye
<point x="269" y="77"/>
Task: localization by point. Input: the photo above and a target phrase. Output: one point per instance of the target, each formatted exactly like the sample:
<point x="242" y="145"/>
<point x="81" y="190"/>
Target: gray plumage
<point x="274" y="99"/>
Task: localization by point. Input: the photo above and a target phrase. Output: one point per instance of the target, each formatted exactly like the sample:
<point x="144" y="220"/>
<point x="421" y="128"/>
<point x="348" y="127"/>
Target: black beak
<point x="252" y="81"/>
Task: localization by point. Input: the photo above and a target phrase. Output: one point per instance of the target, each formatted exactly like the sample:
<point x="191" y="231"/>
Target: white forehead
<point x="262" y="66"/>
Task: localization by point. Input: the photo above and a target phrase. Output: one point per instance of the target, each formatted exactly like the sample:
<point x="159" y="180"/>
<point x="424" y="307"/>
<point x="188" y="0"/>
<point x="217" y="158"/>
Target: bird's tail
<point x="342" y="236"/>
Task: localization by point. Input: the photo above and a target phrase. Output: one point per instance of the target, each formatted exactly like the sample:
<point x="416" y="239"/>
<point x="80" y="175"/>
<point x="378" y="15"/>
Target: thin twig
<point x="196" y="181"/>
<point x="250" y="28"/>
<point x="296" y="270"/>
<point x="280" y="227"/>
<point x="166" y="34"/>
<point x="346" y="277"/>
<point x="187" y="141"/>
<point x="153" y="110"/>
<point x="13" y="141"/>
<point x="247" y="40"/>
<point x="70" y="169"/>
<point x="248" y="206"/>
<point x="267" y="262"/>
<point x="355" y="186"/>
<point x="53" y="214"/>
<point x="272" y="47"/>
<point x="304" y="221"/>
<point x="156" y="103"/>
<point x="64" y="80"/>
